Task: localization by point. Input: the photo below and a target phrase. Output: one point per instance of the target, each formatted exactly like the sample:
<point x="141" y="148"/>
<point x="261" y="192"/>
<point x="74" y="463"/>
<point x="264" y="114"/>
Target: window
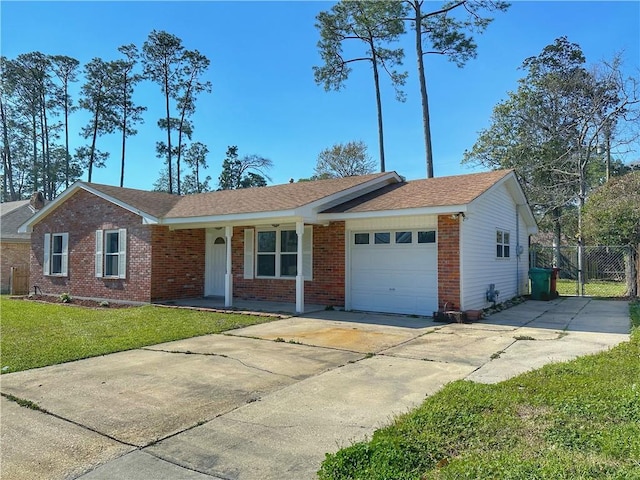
<point x="277" y="253"/>
<point x="404" y="237"/>
<point x="396" y="237"/>
<point x="111" y="253"/>
<point x="56" y="248"/>
<point x="502" y="244"/>
<point x="382" y="238"/>
<point x="427" y="237"/>
<point x="361" y="239"/>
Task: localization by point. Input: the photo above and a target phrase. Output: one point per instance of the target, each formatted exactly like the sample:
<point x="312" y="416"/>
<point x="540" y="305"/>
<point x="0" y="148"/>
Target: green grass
<point x="38" y="334"/>
<point x="594" y="288"/>
<point x="574" y="420"/>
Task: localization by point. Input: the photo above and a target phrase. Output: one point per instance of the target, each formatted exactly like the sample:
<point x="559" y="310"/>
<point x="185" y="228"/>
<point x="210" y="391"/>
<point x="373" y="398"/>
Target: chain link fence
<point x="607" y="271"/>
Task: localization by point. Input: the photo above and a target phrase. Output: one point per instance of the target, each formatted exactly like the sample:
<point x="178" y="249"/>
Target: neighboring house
<point x="15" y="247"/>
<point x="372" y="242"/>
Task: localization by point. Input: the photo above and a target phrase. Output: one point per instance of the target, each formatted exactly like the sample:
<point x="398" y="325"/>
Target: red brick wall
<point x="161" y="264"/>
<point x="448" y="261"/>
<point x="80" y="216"/>
<point x="12" y="254"/>
<point x="178" y="263"/>
<point x="327" y="286"/>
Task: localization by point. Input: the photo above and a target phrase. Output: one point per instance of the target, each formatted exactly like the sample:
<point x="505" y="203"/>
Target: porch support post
<point x="300" y="273"/>
<point x="228" y="277"/>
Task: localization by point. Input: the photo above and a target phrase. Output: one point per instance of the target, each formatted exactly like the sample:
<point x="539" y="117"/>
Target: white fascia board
<point x="263" y="218"/>
<point x="27" y="227"/>
<point x="354" y="192"/>
<point x="440" y="210"/>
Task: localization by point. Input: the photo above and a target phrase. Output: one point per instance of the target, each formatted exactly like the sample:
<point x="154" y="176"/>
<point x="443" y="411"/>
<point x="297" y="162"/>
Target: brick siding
<point x="448" y="262"/>
<point x="327" y="286"/>
<point x="12" y="254"/>
<point x="177" y="267"/>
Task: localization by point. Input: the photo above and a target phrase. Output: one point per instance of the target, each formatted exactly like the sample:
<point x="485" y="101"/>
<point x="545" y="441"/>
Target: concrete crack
<point x="207" y="354"/>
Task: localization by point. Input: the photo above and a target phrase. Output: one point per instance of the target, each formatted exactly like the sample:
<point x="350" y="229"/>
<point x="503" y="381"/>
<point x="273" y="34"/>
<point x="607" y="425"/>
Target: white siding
<point x="393" y="223"/>
<point x="480" y="267"/>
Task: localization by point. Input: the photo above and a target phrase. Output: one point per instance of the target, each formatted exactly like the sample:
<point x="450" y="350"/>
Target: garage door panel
<point x="394" y="278"/>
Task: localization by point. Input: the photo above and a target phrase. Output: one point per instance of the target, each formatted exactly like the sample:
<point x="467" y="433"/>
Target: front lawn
<point x="37" y="334"/>
<point x="574" y="420"/>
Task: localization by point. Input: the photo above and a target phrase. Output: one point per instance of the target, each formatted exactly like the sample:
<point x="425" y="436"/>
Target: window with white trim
<point x="503" y="249"/>
<point x="111" y="253"/>
<point x="277" y="253"/>
<point x="398" y="237"/>
<point x="56" y="254"/>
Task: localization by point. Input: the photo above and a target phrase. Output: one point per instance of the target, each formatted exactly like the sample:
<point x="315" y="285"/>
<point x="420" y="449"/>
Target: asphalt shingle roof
<point x="263" y="199"/>
<point x="12" y="215"/>
<point x="430" y="192"/>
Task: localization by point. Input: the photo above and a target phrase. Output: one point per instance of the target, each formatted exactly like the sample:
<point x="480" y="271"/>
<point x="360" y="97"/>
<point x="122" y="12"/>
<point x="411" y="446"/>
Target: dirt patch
<point x="77" y="302"/>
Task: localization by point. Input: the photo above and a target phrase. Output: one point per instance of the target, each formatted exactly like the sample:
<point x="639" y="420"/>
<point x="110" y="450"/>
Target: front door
<point x="215" y="264"/>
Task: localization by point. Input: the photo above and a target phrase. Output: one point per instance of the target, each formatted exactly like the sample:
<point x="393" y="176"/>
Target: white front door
<point x="215" y="264"/>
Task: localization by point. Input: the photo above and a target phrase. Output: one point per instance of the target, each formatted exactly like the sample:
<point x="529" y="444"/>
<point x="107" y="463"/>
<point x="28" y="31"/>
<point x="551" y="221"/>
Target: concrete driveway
<point x="268" y="401"/>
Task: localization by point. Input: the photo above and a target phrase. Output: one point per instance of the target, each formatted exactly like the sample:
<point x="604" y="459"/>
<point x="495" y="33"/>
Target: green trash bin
<point x="540" y="283"/>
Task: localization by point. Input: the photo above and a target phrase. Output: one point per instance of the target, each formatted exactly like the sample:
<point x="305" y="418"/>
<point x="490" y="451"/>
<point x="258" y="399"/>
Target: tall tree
<point x="162" y="60"/>
<point x="550" y="128"/>
<point x="443" y="32"/>
<point x="129" y="113"/>
<point x="344" y="160"/>
<point x="189" y="86"/>
<point x="375" y="25"/>
<point x="196" y="158"/>
<point x="99" y="98"/>
<point x="245" y="172"/>
<point x="66" y="69"/>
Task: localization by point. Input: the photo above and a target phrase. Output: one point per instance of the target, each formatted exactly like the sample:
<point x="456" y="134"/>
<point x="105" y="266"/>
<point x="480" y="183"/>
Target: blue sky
<point x="265" y="100"/>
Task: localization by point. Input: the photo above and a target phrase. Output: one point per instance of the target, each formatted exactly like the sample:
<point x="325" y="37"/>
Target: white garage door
<point x="394" y="271"/>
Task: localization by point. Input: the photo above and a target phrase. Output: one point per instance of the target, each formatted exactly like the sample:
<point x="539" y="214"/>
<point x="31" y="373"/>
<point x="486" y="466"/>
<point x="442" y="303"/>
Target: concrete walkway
<point x="268" y="401"/>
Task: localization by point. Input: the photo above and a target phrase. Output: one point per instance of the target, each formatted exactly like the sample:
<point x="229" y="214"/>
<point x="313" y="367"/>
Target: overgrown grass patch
<point x="573" y="420"/>
<point x="38" y="334"/>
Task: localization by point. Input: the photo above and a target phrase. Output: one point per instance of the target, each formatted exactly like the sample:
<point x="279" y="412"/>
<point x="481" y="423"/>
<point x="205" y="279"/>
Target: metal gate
<point x="607" y="271"/>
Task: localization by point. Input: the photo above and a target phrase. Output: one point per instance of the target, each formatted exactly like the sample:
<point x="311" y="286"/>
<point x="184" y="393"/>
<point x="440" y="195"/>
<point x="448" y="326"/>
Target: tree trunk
<point x="426" y="122"/>
<point x="93" y="146"/>
<point x="166" y="95"/>
<point x="66" y="133"/>
<point x="376" y="80"/>
<point x="34" y="130"/>
<point x="7" y="178"/>
<point x="124" y="129"/>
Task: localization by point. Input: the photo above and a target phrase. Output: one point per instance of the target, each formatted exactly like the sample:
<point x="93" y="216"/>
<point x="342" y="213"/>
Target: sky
<point x="264" y="98"/>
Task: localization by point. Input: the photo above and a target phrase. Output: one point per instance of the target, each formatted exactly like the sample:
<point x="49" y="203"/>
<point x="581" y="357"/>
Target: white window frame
<point x="501" y="244"/>
<point x="102" y="254"/>
<point x="392" y="237"/>
<point x="49" y="254"/>
<point x="307" y="252"/>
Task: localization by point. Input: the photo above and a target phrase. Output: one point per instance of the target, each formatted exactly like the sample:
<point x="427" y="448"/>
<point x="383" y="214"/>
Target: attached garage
<point x="394" y="270"/>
